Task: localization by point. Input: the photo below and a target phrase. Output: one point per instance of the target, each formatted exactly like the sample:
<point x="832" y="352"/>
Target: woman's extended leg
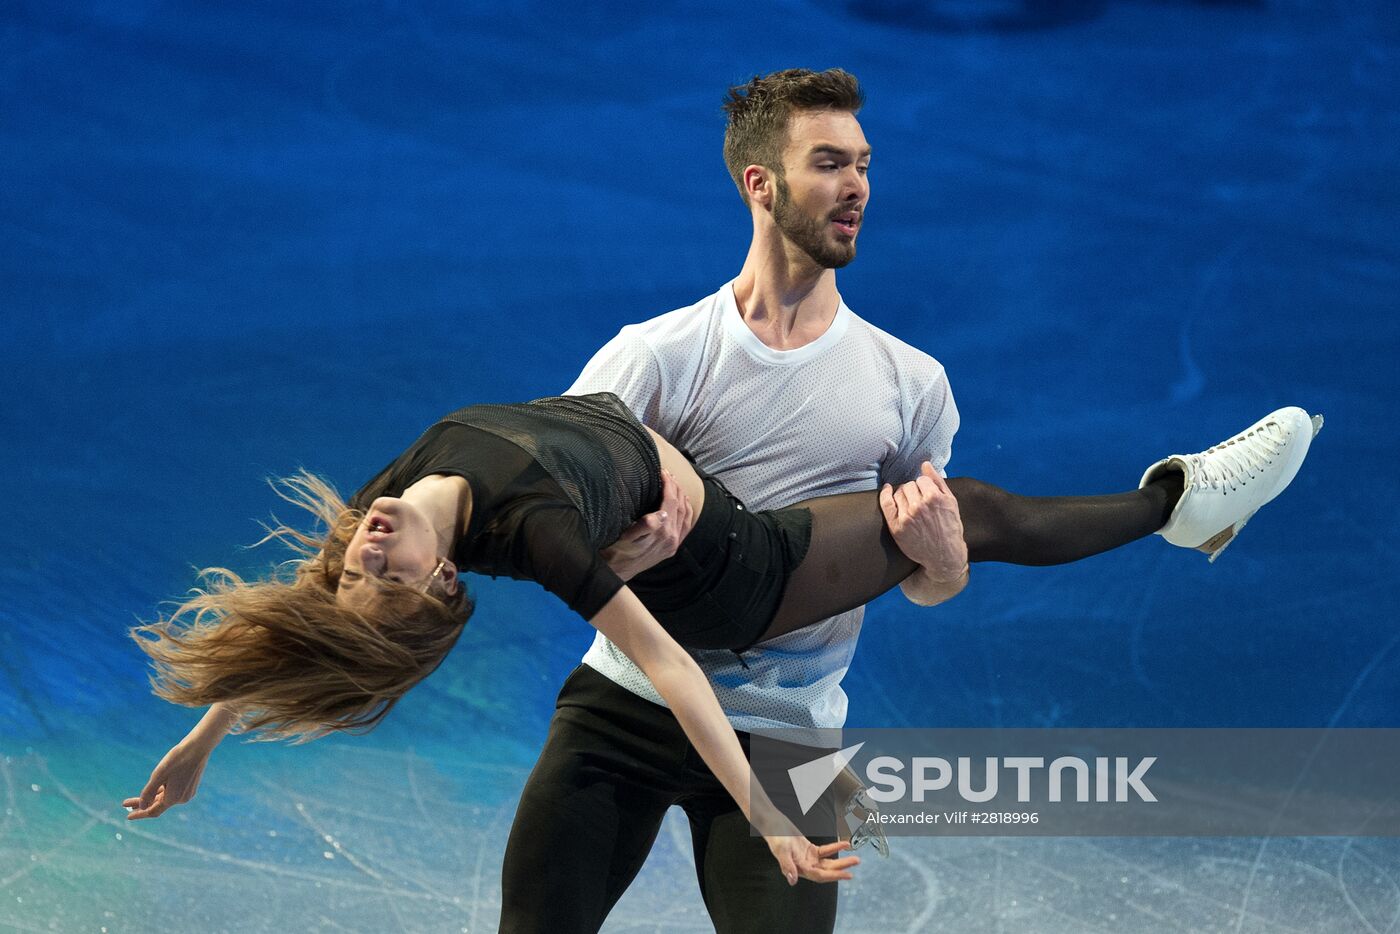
<point x="853" y="558"/>
<point x="1041" y="530"/>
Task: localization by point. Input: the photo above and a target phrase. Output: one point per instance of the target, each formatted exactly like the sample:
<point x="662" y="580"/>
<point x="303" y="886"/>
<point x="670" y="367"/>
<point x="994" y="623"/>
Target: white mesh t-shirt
<point x="851" y="410"/>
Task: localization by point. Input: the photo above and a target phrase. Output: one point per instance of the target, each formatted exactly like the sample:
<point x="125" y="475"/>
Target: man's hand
<point x="654" y="537"/>
<point x="923" y="518"/>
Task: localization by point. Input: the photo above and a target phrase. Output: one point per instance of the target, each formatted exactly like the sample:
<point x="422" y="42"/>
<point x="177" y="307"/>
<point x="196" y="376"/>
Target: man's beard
<point x="809" y="234"/>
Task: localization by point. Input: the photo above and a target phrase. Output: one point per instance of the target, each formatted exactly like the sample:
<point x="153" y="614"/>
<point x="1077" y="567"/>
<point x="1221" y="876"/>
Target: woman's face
<point x="395" y="542"/>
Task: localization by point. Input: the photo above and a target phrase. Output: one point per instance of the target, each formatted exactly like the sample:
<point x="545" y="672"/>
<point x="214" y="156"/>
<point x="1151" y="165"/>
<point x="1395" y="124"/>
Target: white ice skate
<point x="1228" y="483"/>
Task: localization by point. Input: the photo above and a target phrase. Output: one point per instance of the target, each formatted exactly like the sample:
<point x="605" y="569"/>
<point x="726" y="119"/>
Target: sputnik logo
<point x="811" y="779"/>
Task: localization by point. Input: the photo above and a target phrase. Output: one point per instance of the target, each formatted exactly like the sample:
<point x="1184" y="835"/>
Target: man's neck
<point x="787" y="300"/>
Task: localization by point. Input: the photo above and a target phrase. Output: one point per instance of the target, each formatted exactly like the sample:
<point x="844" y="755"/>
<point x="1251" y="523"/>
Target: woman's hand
<point x="176" y="777"/>
<point x="174" y="781"/>
<point x="655" y="536"/>
<point x="798" y="856"/>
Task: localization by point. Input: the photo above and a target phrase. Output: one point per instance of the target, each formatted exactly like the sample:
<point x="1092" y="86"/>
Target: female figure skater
<point x="535" y="491"/>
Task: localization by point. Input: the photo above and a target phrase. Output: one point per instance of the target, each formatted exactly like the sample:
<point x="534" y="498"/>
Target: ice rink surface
<point x="241" y="238"/>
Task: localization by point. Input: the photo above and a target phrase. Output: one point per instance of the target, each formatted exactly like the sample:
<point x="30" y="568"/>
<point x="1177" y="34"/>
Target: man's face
<point x="819" y="200"/>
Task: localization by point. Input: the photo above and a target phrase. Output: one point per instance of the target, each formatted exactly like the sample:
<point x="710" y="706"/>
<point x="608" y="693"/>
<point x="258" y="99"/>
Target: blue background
<point x="236" y="239"/>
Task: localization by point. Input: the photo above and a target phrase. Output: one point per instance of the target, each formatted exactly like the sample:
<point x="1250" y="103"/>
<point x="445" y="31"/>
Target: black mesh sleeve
<point x="548" y="542"/>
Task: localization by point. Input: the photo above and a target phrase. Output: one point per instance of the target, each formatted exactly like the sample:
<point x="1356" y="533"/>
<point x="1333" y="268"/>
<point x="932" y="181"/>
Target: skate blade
<point x="875" y="837"/>
<point x="1215" y="546"/>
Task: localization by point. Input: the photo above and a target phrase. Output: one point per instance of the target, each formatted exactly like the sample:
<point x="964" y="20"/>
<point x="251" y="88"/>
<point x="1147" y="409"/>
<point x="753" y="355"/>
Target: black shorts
<point x="723" y="586"/>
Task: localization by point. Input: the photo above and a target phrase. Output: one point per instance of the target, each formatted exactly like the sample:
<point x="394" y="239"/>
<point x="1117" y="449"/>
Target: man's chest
<point x="777" y="434"/>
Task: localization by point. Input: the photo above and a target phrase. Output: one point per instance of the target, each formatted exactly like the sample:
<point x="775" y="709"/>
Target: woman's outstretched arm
<point x="687" y="691"/>
<point x="176" y="778"/>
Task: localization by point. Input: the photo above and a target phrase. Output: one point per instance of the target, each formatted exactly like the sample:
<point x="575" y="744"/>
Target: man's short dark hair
<point x="760" y="111"/>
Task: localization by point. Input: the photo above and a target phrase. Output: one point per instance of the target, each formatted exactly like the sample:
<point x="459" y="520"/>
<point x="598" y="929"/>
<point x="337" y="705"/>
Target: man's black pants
<point x="611" y="767"/>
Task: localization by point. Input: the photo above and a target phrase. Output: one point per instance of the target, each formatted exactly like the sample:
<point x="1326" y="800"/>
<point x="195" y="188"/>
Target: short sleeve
<point x="627" y="367"/>
<point x="547" y="542"/>
<point x="932" y="423"/>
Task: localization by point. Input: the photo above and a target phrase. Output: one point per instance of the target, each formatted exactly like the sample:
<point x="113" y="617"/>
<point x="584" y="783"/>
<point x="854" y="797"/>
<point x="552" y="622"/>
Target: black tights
<point x="852" y="558"/>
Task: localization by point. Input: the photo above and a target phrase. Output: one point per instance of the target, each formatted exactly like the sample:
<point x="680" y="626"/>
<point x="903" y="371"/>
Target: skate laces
<point x="1230" y="465"/>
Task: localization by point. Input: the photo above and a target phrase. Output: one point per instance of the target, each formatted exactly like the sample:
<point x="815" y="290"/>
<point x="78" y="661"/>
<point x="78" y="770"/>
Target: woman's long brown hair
<point x="293" y="663"/>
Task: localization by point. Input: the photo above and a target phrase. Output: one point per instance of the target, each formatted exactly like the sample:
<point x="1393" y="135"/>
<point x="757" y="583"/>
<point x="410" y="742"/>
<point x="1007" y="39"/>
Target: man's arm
<point x="923" y="513"/>
<point x="627" y="367"/>
<point x="931" y="422"/>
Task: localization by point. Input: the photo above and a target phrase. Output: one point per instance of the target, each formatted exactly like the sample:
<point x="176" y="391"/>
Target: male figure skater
<point x="780" y="390"/>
